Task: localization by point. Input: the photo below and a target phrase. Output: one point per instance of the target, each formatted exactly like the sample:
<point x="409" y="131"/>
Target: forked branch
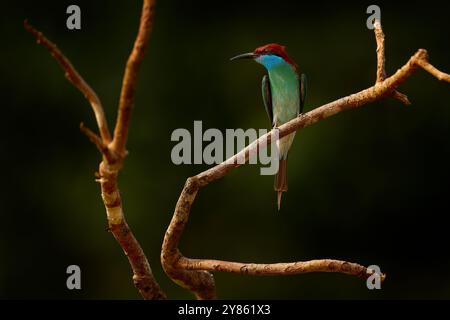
<point x="381" y="67"/>
<point x="114" y="151"/>
<point x="195" y="274"/>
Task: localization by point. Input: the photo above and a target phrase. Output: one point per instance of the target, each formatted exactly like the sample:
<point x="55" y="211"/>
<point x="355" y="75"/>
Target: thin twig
<point x="130" y="78"/>
<point x="194" y="274"/>
<point x="424" y="64"/>
<point x="379" y="37"/>
<point x="98" y="142"/>
<point x="381" y="62"/>
<point x="76" y="79"/>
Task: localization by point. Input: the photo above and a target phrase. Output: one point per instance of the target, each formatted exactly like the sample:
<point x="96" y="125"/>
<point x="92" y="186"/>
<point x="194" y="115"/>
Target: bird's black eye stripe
<point x="268" y="52"/>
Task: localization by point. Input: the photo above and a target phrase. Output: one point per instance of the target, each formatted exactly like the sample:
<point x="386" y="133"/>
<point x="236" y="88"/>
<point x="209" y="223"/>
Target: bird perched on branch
<point x="284" y="93"/>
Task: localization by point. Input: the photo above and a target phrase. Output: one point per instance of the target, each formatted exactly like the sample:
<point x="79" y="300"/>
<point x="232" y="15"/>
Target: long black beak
<point x="249" y="55"/>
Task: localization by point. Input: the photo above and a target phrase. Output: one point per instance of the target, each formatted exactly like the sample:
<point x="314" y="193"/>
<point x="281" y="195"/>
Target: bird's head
<point x="269" y="55"/>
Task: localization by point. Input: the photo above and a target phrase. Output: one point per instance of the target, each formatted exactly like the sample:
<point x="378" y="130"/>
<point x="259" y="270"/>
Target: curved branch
<point x="190" y="273"/>
<point x="76" y="79"/>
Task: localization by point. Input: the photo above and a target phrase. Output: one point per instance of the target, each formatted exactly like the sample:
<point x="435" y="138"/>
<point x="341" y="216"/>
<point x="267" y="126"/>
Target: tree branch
<point x="276" y="269"/>
<point x="381" y="71"/>
<point x="424" y="64"/>
<point x="76" y="79"/>
<point x="194" y="274"/>
<point x="114" y="152"/>
<point x="130" y="78"/>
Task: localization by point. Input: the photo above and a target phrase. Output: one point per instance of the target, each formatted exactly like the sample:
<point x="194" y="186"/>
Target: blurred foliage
<point x="369" y="186"/>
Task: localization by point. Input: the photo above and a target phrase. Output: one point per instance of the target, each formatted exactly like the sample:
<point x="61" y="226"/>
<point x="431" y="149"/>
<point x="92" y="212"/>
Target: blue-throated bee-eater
<point x="284" y="93"/>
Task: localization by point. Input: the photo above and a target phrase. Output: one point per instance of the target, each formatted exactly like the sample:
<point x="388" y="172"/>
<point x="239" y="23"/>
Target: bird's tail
<point x="280" y="183"/>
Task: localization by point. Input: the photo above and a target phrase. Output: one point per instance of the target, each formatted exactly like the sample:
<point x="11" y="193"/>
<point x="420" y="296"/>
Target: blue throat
<point x="271" y="61"/>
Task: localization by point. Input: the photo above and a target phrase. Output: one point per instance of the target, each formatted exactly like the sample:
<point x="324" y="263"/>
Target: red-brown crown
<point x="276" y="49"/>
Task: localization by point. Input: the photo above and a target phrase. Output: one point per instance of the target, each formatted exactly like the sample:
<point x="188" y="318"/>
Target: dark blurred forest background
<point x="368" y="185"/>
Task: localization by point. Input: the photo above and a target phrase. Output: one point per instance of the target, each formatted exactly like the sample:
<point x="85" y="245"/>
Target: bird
<point x="284" y="93"/>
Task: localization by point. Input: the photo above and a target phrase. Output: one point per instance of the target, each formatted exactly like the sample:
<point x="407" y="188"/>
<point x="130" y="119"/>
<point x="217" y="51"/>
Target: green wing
<point x="267" y="97"/>
<point x="303" y="89"/>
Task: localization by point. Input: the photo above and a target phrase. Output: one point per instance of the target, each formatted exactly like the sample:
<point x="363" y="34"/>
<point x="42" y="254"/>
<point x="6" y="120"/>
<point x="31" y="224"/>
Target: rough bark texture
<point x="114" y="152"/>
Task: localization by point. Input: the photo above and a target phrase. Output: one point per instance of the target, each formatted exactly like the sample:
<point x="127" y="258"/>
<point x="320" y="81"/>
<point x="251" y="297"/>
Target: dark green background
<point x="369" y="185"/>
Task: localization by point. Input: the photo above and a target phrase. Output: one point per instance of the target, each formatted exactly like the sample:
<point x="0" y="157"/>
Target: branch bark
<point x="195" y="274"/>
<point x="381" y="62"/>
<point x="75" y="78"/>
<point x="114" y="152"/>
<point x="129" y="82"/>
